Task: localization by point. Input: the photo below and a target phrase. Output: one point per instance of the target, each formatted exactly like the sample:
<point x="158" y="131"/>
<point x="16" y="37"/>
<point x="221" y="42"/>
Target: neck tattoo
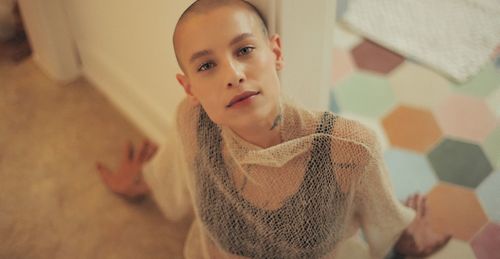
<point x="277" y="121"/>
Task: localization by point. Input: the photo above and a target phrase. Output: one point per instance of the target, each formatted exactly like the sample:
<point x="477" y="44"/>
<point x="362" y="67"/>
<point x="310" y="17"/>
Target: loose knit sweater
<point x="308" y="197"/>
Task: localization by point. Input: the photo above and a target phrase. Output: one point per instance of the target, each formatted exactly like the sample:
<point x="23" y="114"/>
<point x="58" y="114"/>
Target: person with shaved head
<point x="261" y="176"/>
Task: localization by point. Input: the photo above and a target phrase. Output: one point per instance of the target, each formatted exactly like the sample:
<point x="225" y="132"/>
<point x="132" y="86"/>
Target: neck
<point x="264" y="134"/>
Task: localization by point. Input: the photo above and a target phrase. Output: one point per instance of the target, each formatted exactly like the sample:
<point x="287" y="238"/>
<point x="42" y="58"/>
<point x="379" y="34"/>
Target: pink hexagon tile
<point x="466" y="117"/>
<point x="486" y="244"/>
<point x="413" y="83"/>
<point x="372" y="57"/>
<point x="342" y="65"/>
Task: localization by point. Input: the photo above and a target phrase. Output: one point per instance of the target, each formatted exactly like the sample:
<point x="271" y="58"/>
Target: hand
<point x="127" y="180"/>
<point x="419" y="239"/>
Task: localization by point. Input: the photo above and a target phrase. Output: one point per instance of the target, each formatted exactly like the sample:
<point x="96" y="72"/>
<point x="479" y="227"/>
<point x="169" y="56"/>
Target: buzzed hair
<point x="204" y="6"/>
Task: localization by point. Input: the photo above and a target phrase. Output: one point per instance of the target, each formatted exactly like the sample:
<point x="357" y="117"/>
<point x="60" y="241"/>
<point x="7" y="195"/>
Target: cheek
<point x="267" y="70"/>
<point x="211" y="103"/>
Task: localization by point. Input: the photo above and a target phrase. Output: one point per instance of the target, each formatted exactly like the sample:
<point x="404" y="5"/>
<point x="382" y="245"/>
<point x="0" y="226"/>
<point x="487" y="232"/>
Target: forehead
<point x="214" y="29"/>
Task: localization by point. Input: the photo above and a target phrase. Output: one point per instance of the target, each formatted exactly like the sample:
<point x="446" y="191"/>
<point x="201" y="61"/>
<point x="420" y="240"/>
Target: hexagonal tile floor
<point x="486" y="243"/>
<point x="462" y="219"/>
<point x="465" y="116"/>
<point x="404" y="165"/>
<point x="489" y="195"/>
<point x="455" y="249"/>
<point x="441" y="138"/>
<point x="482" y="84"/>
<point x="412" y="128"/>
<point x="460" y="163"/>
<point x="413" y="83"/>
<point x="364" y="93"/>
<point x="370" y="56"/>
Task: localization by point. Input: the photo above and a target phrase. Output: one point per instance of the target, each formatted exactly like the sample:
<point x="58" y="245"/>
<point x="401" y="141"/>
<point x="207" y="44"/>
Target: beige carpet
<point x="52" y="203"/>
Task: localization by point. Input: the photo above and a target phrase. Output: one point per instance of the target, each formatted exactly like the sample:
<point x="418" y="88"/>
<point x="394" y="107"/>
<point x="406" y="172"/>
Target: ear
<point x="275" y="42"/>
<point x="184" y="82"/>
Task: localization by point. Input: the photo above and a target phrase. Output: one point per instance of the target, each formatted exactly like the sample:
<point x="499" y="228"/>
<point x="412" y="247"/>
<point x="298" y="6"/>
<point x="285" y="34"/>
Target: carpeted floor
<point x="52" y="203"/>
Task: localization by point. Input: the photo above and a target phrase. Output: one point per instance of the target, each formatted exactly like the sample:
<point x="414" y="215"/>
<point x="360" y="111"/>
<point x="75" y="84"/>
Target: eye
<point x="245" y="51"/>
<point x="206" y="66"/>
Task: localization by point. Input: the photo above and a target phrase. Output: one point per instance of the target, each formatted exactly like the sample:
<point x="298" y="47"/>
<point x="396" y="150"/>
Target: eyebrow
<point x="205" y="52"/>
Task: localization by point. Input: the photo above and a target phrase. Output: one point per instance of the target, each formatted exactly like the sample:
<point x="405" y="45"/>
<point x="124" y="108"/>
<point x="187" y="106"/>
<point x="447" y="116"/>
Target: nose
<point x="235" y="74"/>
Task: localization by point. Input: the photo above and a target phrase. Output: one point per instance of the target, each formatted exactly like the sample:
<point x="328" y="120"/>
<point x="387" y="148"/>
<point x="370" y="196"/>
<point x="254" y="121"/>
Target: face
<point x="230" y="66"/>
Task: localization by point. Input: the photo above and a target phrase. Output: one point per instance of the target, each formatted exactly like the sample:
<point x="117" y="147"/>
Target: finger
<point x="407" y="202"/>
<point x="151" y="152"/>
<point x="128" y="151"/>
<point x="143" y="151"/>
<point x="415" y="201"/>
<point x="411" y="202"/>
<point x="423" y="207"/>
<point x="447" y="239"/>
<point x="141" y="188"/>
<point x="419" y="204"/>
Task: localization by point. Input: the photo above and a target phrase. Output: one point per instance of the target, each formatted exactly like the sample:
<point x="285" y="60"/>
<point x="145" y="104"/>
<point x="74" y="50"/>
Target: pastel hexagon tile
<point x="342" y="65"/>
<point x="373" y="124"/>
<point x="491" y="147"/>
<point x="465" y="117"/>
<point x="370" y="56"/>
<point x="410" y="172"/>
<point x="412" y="128"/>
<point x="488" y="193"/>
<point x="493" y="101"/>
<point x="455" y="210"/>
<point x="486" y="244"/>
<point x="343" y="38"/>
<point x="418" y="86"/>
<point x="459" y="162"/>
<point x="365" y="94"/>
<point x="482" y="84"/>
<point x="455" y="249"/>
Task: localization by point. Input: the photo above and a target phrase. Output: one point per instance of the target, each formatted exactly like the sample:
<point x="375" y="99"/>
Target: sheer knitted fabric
<point x="303" y="198"/>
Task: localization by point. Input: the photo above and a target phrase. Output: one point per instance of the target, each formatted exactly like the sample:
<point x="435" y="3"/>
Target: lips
<point x="241" y="97"/>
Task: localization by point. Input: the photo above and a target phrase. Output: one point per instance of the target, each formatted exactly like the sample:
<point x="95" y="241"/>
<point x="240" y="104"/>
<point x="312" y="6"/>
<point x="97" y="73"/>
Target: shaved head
<point x="205" y="6"/>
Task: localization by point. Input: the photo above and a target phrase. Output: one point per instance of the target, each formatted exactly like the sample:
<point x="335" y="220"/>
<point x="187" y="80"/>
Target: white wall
<point x="126" y="49"/>
<point x="306" y="28"/>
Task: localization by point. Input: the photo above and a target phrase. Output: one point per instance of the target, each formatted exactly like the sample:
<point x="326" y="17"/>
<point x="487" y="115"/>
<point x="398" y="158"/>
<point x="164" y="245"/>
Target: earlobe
<point x="184" y="82"/>
<point x="279" y="66"/>
<point x="276" y="48"/>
